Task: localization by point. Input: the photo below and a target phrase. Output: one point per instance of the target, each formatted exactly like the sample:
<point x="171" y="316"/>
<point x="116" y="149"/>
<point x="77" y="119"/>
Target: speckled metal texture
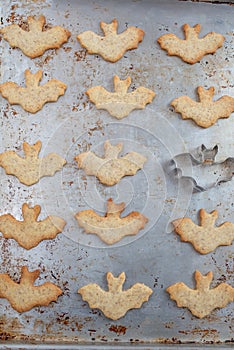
<point x="72" y="125"/>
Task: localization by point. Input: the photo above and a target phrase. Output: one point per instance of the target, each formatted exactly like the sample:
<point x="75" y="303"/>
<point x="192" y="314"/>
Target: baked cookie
<point x="202" y="300"/>
<point x="205" y="112"/>
<point x="36" y="40"/>
<point x="23" y="296"/>
<point x="30" y="169"/>
<point x="192" y="48"/>
<point x="111" y="228"/>
<point x="30" y="232"/>
<point x="205" y="237"/>
<point x="111" y="46"/>
<point x="115" y="302"/>
<point x="120" y="102"/>
<point x="110" y="169"/>
<point x="32" y="97"/>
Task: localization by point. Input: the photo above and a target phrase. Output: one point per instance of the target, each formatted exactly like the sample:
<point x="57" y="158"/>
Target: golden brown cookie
<point x="111" y="46"/>
<point x="36" y="40"/>
<point x="31" y="168"/>
<point x="115" y="302"/>
<point x="30" y="232"/>
<point x="192" y="48"/>
<point x="23" y="296"/>
<point x="110" y="169"/>
<point x="205" y="237"/>
<point x="111" y="228"/>
<point x="205" y="112"/>
<point x="32" y="97"/>
<point x="202" y="300"/>
<point x="120" y="102"/>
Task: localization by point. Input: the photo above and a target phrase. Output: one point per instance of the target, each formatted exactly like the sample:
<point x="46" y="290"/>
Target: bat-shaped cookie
<point x="32" y="97"/>
<point x="205" y="112"/>
<point x="115" y="302"/>
<point x="110" y="169"/>
<point x="111" y="228"/>
<point x="23" y="296"/>
<point x="36" y="40"/>
<point x="30" y="232"/>
<point x="120" y="103"/>
<point x="30" y="169"/>
<point x="111" y="46"/>
<point x="192" y="49"/>
<point x="205" y="237"/>
<point x="202" y="300"/>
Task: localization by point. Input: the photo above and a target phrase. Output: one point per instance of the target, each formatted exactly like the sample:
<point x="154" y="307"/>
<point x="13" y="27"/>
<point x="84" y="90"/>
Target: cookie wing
<point x="8" y="225"/>
<point x="10" y="91"/>
<point x="224" y="106"/>
<point x="136" y="296"/>
<point x="222" y="295"/>
<point x="141" y="96"/>
<point x="211" y="42"/>
<point x="187" y="229"/>
<point x="91" y="41"/>
<point x="41" y="295"/>
<point x="50" y="164"/>
<point x="188" y="108"/>
<point x="171" y="43"/>
<point x="89" y="162"/>
<point x="94" y="295"/>
<point x="130" y="38"/>
<point x="54" y="37"/>
<point x="51" y="91"/>
<point x="12" y="34"/>
<point x="100" y="97"/>
<point x="12" y="163"/>
<point x="135" y="162"/>
<point x="182" y="294"/>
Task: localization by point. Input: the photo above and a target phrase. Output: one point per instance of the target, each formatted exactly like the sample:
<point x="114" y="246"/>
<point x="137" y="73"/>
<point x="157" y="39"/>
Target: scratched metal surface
<point x="155" y="256"/>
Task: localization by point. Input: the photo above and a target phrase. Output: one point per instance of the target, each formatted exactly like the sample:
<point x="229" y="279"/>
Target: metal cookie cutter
<point x="202" y="169"/>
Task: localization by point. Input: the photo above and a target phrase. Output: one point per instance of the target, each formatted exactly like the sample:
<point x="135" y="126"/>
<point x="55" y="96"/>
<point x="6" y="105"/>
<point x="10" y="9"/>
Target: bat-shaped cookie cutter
<point x="202" y="169"/>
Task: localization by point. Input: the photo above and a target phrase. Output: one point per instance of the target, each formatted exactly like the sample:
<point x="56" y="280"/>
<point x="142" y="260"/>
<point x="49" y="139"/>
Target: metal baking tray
<point x="156" y="256"/>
